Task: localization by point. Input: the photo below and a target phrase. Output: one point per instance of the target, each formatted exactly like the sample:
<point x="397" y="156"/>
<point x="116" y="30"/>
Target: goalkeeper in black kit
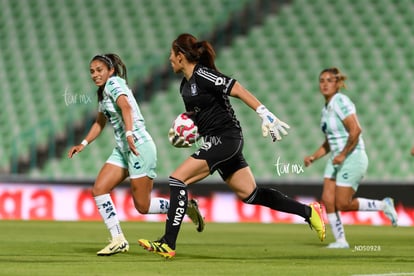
<point x="205" y="92"/>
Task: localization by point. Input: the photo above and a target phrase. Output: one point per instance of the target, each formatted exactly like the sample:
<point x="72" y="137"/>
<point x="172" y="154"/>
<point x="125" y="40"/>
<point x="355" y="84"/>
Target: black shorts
<point x="222" y="153"/>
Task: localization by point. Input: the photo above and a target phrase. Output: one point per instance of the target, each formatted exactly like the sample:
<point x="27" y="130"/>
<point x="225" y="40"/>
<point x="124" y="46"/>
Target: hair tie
<point x="105" y="58"/>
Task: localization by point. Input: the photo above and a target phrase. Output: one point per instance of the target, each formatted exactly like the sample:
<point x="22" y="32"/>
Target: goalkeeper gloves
<point x="271" y="124"/>
<point x="177" y="141"/>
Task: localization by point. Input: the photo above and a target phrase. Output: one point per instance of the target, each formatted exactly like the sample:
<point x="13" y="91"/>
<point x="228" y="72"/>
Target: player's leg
<point x="346" y="202"/>
<point x="243" y="184"/>
<point x="334" y="218"/>
<point x="190" y="171"/>
<point x="351" y="174"/>
<point x="141" y="189"/>
<point x="108" y="178"/>
<point x="142" y="171"/>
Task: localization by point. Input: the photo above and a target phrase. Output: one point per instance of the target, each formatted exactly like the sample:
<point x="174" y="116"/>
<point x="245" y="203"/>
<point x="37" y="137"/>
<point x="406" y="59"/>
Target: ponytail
<point x="201" y="52"/>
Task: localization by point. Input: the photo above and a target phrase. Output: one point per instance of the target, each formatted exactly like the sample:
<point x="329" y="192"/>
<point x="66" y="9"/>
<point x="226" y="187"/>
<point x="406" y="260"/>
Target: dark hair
<point x="340" y="78"/>
<point x="195" y="51"/>
<point x="112" y="61"/>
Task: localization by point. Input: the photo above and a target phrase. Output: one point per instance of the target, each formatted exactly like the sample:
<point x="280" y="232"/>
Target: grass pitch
<point x="69" y="248"/>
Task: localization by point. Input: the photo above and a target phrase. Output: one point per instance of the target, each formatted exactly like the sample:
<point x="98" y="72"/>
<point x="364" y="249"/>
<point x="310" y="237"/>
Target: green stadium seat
<point x="51" y="43"/>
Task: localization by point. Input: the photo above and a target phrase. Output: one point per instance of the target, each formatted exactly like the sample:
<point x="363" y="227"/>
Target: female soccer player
<point x="206" y="92"/>
<point x="348" y="162"/>
<point x="134" y="156"/>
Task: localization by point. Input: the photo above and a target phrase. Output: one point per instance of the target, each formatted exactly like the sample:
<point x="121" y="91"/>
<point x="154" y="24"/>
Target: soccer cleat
<point x="316" y="220"/>
<point x="117" y="245"/>
<point x="194" y="214"/>
<point x="158" y="247"/>
<point x="389" y="210"/>
<point x="338" y="244"/>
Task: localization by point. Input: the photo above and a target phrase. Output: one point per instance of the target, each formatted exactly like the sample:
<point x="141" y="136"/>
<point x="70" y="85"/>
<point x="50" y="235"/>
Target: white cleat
<point x="194" y="214"/>
<point x="338" y="245"/>
<point x="389" y="210"/>
<point x="117" y="245"/>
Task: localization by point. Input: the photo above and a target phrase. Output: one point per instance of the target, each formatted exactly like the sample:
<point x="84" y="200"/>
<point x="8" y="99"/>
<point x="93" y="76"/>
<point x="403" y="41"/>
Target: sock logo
<point x="164" y="204"/>
<point x="109" y="209"/>
<point x="179" y="213"/>
<point x="339" y="229"/>
<point x="181" y="196"/>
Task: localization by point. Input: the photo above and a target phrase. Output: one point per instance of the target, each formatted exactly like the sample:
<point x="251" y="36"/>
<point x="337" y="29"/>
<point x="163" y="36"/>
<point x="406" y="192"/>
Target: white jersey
<point x="115" y="87"/>
<point x="338" y="108"/>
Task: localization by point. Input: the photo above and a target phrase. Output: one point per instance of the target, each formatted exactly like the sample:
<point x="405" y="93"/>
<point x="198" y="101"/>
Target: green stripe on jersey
<point x="338" y="108"/>
<point x="115" y="87"/>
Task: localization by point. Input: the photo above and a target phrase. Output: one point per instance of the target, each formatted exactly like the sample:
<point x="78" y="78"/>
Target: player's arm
<point x="323" y="150"/>
<point x="93" y="133"/>
<point x="238" y="91"/>
<point x="270" y="123"/>
<point x="354" y="130"/>
<point x="126" y="109"/>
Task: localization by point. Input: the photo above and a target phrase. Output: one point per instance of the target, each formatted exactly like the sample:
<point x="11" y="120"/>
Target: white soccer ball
<point x="184" y="126"/>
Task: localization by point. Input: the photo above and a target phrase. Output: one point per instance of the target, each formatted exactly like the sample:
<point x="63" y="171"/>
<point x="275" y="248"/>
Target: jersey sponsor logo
<point x="222" y="81"/>
<point x="227" y="86"/>
<point x="324" y="126"/>
<point x="107" y="114"/>
<point x="116" y="90"/>
<point x="219" y="81"/>
<point x="194" y="89"/>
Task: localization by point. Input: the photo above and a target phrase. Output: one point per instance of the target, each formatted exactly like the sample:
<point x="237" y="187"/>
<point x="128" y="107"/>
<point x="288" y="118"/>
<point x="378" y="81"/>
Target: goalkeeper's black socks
<point x="275" y="200"/>
<point x="176" y="212"/>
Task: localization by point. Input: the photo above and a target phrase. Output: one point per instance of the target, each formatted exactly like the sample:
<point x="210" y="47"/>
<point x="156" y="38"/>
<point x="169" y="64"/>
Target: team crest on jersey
<point x="193" y="89"/>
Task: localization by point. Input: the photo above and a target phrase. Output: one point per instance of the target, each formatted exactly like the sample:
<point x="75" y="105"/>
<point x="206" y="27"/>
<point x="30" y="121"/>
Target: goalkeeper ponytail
<point x="201" y="52"/>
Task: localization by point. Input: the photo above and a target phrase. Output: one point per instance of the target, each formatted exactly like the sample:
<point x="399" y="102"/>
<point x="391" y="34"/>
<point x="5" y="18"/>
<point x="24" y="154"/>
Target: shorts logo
<point x="137" y="165"/>
<point x="345" y="176"/>
<point x="206" y="146"/>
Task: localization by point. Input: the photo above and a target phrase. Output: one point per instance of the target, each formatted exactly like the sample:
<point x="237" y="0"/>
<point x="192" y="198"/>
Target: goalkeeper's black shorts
<point x="223" y="153"/>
